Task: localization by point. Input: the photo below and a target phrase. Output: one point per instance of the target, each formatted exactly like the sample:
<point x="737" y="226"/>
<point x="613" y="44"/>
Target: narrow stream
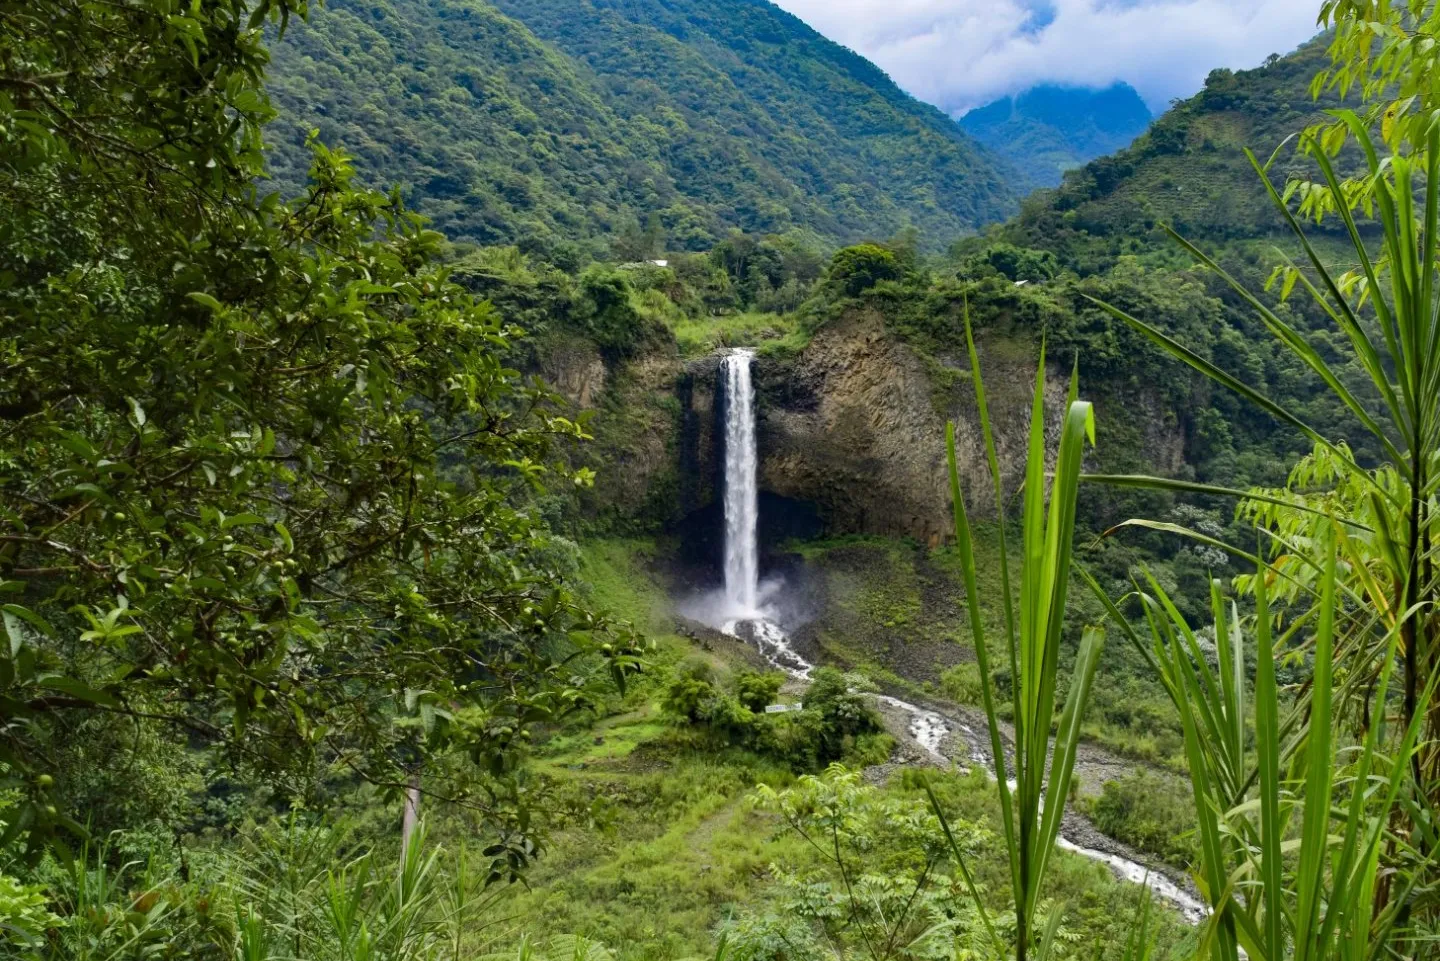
<point x="746" y="617"/>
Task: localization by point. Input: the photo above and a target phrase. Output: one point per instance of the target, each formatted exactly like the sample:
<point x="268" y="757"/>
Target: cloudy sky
<point x="958" y="54"/>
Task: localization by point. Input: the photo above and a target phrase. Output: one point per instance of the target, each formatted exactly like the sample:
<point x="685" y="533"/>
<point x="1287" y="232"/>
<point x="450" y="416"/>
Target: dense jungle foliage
<point x="555" y="126"/>
<point x="319" y="639"/>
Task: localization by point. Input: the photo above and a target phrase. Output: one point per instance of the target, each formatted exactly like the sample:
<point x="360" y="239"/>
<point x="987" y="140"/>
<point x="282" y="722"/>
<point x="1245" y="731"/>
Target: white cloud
<point x="958" y="54"/>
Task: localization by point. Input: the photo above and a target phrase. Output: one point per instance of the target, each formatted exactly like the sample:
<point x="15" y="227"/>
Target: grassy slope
<point x="659" y="845"/>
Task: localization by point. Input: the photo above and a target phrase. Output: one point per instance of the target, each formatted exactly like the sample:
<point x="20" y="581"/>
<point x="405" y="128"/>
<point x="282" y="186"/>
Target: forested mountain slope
<point x="1188" y="171"/>
<point x="1048" y="130"/>
<point x="549" y="122"/>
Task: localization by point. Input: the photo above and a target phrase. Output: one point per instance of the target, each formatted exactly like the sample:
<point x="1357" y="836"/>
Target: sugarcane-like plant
<point x="1378" y="523"/>
<point x="1290" y="840"/>
<point x="1033" y="804"/>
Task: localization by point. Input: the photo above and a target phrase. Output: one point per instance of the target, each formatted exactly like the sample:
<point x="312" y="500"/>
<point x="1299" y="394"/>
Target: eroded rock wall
<point x="854" y="424"/>
<point x="857" y="424"/>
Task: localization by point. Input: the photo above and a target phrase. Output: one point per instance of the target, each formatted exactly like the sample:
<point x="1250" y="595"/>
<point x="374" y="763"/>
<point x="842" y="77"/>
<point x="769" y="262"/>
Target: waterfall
<point x="742" y="555"/>
<point x="742" y="615"/>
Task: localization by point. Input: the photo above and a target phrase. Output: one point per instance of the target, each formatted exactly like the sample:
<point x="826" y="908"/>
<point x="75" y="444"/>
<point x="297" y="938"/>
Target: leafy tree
<point x="693" y="694"/>
<point x="608" y="312"/>
<point x="758" y="690"/>
<point x="264" y="478"/>
<point x="857" y="269"/>
<point x="845" y="711"/>
<point x="1016" y="263"/>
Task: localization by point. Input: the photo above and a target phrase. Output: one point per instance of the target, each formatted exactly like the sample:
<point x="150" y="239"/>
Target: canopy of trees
<point x="266" y="480"/>
<point x="551" y="124"/>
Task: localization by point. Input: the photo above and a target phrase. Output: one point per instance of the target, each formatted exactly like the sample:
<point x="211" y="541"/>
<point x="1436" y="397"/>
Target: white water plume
<point x="742" y="511"/>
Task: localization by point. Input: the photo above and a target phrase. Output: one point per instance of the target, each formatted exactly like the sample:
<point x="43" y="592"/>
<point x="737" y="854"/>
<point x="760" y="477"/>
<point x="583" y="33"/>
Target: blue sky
<point x="959" y="54"/>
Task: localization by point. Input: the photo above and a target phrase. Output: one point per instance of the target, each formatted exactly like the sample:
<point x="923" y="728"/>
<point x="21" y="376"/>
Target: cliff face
<point x="857" y="424"/>
<point x="854" y="424"/>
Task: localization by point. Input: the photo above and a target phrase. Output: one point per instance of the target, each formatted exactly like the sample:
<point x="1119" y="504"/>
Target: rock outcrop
<point x="854" y="424"/>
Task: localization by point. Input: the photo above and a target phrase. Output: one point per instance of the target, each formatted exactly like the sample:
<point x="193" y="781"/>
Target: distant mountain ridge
<point x="569" y="123"/>
<point x="1189" y="172"/>
<point x="1050" y="129"/>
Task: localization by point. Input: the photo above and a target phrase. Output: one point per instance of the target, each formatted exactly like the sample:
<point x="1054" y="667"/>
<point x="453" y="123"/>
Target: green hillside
<point x="1049" y="129"/>
<point x="1189" y="171"/>
<point x="656" y="125"/>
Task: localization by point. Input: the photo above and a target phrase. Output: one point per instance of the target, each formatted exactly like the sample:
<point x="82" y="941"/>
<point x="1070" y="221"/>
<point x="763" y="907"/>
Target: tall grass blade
<point x="1267" y="754"/>
<point x="1030" y="823"/>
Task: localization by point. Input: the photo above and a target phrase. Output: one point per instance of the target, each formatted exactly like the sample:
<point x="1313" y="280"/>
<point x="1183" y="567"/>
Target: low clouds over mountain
<point x="959" y="54"/>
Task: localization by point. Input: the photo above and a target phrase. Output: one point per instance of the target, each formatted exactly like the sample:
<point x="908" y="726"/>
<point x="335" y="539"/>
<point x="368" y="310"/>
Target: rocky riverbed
<point x="965" y="742"/>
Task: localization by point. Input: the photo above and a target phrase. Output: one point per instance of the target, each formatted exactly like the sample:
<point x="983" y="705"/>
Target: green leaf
<point x="206" y="300"/>
<point x="241" y="520"/>
<point x="29" y="617"/>
<point x="1194" y="487"/>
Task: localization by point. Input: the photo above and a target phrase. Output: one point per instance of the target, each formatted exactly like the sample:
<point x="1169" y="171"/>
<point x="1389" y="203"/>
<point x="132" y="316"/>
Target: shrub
<point x="845" y="713"/>
<point x="836" y="722"/>
<point x="24" y="915"/>
<point x="609" y="310"/>
<point x="756" y="690"/>
<point x="693" y="695"/>
<point x="1150" y="812"/>
<point x="792" y="738"/>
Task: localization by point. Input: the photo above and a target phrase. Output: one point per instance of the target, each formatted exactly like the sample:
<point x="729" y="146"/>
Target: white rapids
<point x="746" y="616"/>
<point x="1191" y="908"/>
<point x="927" y="728"/>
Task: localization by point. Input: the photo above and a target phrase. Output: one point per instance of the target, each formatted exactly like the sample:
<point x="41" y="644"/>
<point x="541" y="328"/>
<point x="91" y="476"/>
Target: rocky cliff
<point x="854" y="425"/>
